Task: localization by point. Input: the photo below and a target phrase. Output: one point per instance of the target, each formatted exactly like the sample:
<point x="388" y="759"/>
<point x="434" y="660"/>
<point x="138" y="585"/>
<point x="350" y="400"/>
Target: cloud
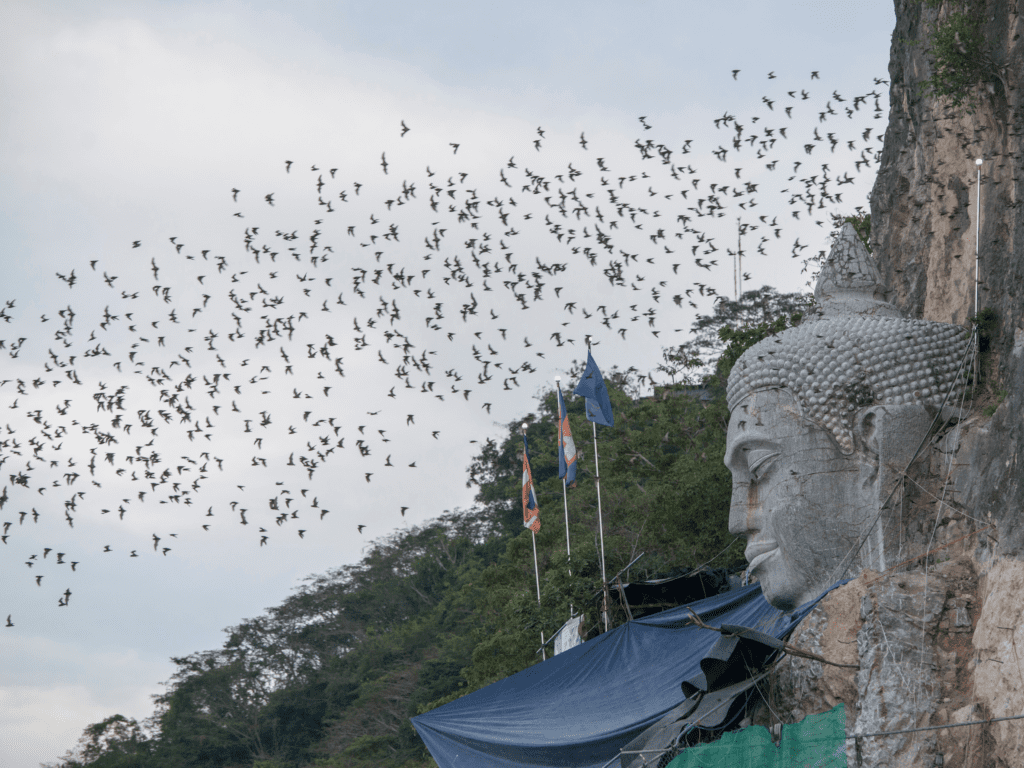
<point x="42" y="715"/>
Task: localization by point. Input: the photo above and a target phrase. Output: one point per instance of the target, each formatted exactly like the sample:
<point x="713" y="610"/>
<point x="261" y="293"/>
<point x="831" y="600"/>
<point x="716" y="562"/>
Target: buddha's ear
<point x="887" y="438"/>
<point x="867" y="427"/>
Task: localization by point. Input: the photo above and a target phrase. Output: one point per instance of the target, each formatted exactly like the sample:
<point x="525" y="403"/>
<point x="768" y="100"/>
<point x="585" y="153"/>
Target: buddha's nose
<point x="744" y="510"/>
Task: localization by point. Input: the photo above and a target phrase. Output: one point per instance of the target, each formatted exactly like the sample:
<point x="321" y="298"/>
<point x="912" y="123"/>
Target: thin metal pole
<point x="600" y="528"/>
<point x="565" y="499"/>
<point x="565" y="503"/>
<point x="739" y="258"/>
<point x="977" y="268"/>
<point x="600" y="522"/>
<point x="742" y="232"/>
<point x="536" y="574"/>
<point x="565" y="493"/>
<point x="977" y="239"/>
<point x="735" y="265"/>
<point x="568" y="553"/>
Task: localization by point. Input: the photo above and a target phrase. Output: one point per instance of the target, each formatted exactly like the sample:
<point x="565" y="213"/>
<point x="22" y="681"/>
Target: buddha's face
<point x="802" y="505"/>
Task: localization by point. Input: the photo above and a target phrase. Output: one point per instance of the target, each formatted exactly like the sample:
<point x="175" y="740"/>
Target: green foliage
<point x="861" y="222"/>
<point x="116" y="742"/>
<point x="692" y="361"/>
<point x="985" y="322"/>
<point x="961" y="59"/>
<point x="993" y="407"/>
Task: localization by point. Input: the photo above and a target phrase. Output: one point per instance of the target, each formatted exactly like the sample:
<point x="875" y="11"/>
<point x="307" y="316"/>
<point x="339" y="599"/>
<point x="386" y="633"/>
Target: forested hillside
<point x="331" y="676"/>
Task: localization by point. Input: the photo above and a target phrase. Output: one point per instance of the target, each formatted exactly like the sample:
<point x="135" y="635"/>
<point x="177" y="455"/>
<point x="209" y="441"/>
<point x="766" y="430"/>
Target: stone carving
<point x="963" y="537"/>
<point x="825" y="418"/>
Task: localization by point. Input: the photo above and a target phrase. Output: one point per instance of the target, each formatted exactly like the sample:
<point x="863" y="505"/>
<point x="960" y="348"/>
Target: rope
<point x="934" y="727"/>
<point x="942" y="503"/>
<point x="709" y="562"/>
<point x="931" y="552"/>
<point x="854" y="551"/>
<point x="852" y="736"/>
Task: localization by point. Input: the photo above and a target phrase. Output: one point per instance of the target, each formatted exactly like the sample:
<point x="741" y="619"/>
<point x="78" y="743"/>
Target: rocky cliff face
<point x="936" y="638"/>
<point x="923" y="215"/>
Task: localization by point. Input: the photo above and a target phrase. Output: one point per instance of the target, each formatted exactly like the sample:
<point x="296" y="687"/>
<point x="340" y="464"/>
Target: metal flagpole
<point x="735" y="268"/>
<point x="739" y="260"/>
<point x="568" y="552"/>
<point x="600" y="524"/>
<point x="565" y="494"/>
<point x="600" y="528"/>
<point x="977" y="270"/>
<point x="536" y="575"/>
<point x="977" y="239"/>
<point x="565" y="500"/>
<point x="565" y="504"/>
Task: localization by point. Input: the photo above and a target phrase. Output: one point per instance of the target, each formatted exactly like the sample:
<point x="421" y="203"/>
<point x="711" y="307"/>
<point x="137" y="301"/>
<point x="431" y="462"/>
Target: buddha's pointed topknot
<point x="849" y="282"/>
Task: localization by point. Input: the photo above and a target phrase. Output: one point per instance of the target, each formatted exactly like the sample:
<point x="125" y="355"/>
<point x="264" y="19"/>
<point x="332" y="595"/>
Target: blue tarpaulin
<point x="578" y="709"/>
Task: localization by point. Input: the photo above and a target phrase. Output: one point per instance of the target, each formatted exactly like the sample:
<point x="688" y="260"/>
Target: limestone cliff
<point x="936" y="637"/>
<point x="923" y="214"/>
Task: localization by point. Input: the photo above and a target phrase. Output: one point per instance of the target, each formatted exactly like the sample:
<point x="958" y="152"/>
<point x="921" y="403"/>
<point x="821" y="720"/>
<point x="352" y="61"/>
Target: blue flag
<point x="566" y="446"/>
<point x="591" y="386"/>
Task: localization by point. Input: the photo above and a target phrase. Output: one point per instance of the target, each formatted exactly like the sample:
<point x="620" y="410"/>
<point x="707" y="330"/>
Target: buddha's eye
<point x="759" y="461"/>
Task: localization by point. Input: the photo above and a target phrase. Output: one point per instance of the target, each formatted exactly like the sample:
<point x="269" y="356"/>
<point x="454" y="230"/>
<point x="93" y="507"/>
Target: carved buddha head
<point x="825" y="418"/>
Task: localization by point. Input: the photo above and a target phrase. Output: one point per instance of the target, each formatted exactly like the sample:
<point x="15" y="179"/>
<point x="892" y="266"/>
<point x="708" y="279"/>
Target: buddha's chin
<point x="781" y="592"/>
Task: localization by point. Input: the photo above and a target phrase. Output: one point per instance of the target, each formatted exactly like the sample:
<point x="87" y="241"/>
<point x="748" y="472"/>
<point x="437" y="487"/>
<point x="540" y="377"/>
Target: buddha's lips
<point x="759" y="552"/>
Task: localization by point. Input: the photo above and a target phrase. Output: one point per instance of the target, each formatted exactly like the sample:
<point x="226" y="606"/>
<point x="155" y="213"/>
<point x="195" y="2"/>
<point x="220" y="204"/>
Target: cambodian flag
<point x="566" y="446"/>
<point x="531" y="512"/>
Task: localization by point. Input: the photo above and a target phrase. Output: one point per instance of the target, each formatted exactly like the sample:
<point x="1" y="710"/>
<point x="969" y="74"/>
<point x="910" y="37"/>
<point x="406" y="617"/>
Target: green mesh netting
<point x="818" y="741"/>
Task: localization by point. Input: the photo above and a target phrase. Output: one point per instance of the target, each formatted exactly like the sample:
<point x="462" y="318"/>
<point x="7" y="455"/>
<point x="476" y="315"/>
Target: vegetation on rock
<point x="962" y="62"/>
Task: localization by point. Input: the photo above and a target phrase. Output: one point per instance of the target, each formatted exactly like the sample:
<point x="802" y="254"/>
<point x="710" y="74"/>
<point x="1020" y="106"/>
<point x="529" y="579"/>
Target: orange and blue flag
<point x="566" y="446"/>
<point x="531" y="512"/>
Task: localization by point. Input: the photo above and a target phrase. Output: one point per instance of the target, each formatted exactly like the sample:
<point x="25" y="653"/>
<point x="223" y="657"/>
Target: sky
<point x="134" y="122"/>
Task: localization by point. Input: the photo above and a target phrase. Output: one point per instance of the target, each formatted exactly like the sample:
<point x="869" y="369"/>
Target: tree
<point x="695" y="359"/>
<point x="117" y="742"/>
